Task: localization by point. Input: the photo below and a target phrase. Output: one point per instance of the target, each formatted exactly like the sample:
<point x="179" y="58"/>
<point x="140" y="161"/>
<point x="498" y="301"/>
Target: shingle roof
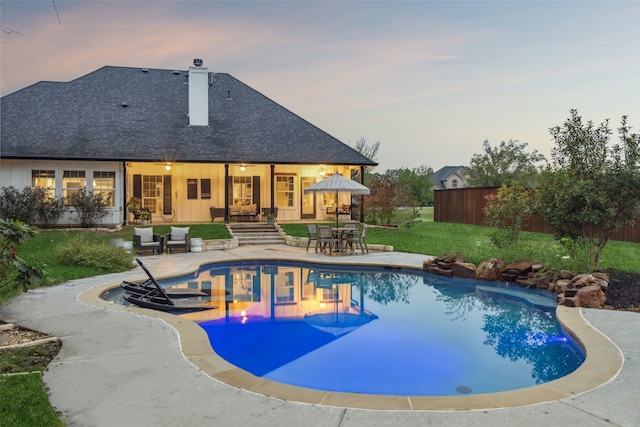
<point x="443" y="174"/>
<point x="85" y="119"/>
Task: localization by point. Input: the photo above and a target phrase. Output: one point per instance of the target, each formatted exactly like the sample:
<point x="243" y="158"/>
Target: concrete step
<point x="255" y="234"/>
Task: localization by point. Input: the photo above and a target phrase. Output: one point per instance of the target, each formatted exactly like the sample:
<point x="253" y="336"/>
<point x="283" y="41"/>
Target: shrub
<point x="15" y="272"/>
<point x="18" y="205"/>
<point x="81" y="251"/>
<point x="507" y="211"/>
<point x="49" y="210"/>
<point x="91" y="207"/>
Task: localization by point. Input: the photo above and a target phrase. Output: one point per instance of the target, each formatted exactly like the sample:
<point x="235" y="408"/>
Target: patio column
<point x="362" y="168"/>
<point x="226" y="193"/>
<point x="273" y="174"/>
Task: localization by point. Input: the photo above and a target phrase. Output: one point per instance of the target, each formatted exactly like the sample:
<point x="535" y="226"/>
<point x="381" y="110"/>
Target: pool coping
<point x="603" y="361"/>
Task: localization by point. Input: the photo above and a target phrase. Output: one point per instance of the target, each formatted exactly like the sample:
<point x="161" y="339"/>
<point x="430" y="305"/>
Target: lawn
<point x="473" y="243"/>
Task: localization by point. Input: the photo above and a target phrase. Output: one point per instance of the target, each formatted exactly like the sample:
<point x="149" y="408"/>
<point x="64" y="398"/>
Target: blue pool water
<point x="382" y="331"/>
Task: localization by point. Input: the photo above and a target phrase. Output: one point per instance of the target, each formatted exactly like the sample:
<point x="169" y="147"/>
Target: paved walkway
<point x="119" y="368"/>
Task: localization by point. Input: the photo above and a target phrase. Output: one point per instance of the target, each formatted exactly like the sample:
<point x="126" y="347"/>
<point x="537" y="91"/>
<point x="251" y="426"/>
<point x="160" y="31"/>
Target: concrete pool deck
<point x="134" y="367"/>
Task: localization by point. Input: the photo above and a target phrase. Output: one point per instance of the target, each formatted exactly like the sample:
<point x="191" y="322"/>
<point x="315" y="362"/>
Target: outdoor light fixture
<point x="167" y="166"/>
<point x="243" y="167"/>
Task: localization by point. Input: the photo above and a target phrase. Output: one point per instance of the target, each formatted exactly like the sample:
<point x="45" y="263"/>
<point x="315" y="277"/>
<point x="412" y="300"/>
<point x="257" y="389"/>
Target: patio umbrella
<point x="339" y="323"/>
<point x="337" y="183"/>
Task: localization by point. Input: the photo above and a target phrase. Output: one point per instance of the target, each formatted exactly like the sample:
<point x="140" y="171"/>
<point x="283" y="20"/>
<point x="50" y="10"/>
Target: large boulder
<point x="491" y="269"/>
<point x="463" y="269"/>
<point x="590" y="297"/>
<point x="583" y="280"/>
<point x="562" y="285"/>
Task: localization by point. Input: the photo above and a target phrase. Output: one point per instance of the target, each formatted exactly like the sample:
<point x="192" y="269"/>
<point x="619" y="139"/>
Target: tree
<point x="381" y="203"/>
<point x="591" y="189"/>
<point x="369" y="151"/>
<point x="504" y="165"/>
<point x="417" y="184"/>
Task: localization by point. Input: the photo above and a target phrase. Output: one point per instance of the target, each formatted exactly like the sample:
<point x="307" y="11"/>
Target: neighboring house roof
<point x="134" y="114"/>
<point x="442" y="175"/>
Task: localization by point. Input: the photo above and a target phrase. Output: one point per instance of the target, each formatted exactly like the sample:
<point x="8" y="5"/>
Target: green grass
<point x="24" y="402"/>
<point x="473" y="243"/>
<point x="41" y="251"/>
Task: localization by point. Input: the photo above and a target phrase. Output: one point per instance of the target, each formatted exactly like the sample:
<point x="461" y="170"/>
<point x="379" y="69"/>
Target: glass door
<point x="308" y="202"/>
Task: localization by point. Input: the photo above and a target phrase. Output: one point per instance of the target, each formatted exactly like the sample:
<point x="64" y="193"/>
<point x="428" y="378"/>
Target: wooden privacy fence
<point x="466" y="206"/>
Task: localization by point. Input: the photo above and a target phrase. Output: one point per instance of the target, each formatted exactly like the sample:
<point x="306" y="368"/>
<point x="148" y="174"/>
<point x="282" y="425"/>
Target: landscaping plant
<point x="591" y="189"/>
<point x="90" y="207"/>
<point x="506" y="211"/>
<point x="15" y="273"/>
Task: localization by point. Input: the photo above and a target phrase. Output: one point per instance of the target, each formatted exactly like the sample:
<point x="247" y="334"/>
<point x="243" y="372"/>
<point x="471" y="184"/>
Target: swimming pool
<point x="373" y="330"/>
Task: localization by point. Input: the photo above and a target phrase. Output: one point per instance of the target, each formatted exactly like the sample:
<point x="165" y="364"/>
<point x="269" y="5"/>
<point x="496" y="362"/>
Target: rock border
<point x="582" y="290"/>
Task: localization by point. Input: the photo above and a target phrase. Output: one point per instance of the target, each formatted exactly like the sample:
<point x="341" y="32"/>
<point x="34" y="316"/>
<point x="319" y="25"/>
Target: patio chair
<point x="178" y="239"/>
<point x="358" y="240"/>
<point x="145" y="240"/>
<point x="327" y="238"/>
<point x="312" y="235"/>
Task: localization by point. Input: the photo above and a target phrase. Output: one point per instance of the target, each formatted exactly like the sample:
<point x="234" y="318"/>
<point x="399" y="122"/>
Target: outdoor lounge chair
<point x="158" y="299"/>
<point x="178" y="239"/>
<point x="312" y="235"/>
<point x="145" y="240"/>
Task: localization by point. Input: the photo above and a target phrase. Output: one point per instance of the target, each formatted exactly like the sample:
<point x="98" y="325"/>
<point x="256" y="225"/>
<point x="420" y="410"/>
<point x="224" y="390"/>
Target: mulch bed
<point x="623" y="292"/>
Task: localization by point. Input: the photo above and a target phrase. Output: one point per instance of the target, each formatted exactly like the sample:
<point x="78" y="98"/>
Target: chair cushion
<point x="146" y="234"/>
<point x="179" y="233"/>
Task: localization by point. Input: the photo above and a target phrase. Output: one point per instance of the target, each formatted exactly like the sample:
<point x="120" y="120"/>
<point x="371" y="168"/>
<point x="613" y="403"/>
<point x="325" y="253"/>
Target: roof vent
<point x="145" y="70"/>
<point x="124" y="105"/>
<point x="176" y="72"/>
<point x="197" y="62"/>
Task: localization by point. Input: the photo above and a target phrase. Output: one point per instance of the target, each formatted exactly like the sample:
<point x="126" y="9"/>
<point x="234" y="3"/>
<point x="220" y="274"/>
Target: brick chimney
<point x="198" y="94"/>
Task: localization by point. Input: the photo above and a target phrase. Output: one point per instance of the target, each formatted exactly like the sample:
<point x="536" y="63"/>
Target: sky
<point x="430" y="80"/>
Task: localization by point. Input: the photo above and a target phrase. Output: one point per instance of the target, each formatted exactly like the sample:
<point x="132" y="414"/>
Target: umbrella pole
<point x="336" y="208"/>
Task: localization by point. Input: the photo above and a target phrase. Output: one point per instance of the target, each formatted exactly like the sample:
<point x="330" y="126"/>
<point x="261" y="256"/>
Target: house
<point x="181" y="141"/>
<point x="450" y="177"/>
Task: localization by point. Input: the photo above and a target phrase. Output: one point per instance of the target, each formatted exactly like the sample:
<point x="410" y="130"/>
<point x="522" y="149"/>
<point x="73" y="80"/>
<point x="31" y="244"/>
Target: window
<point x="284" y="191"/>
<point x="105" y="183"/>
<point x="331" y="294"/>
<point x="242" y="287"/>
<point x="284" y="290"/>
<point x="46" y="180"/>
<point x="242" y="190"/>
<point x="454" y="183"/>
<point x="73" y="182"/>
<point x="152" y="193"/>
<point x="329" y="200"/>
